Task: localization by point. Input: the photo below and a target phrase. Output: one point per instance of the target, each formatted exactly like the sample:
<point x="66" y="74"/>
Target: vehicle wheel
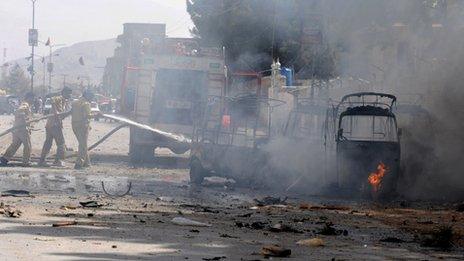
<point x="197" y="172"/>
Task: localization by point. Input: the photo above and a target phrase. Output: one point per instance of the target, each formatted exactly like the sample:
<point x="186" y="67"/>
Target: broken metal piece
<point x="275" y="251"/>
<point x="116" y="195"/>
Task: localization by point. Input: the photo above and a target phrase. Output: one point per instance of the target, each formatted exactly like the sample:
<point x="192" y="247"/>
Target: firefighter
<point x="80" y="117"/>
<point x="22" y="133"/>
<point x="54" y="129"/>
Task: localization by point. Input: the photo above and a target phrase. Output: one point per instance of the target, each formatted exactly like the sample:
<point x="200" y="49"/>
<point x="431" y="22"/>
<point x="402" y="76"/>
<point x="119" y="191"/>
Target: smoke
<point x="406" y="48"/>
<point x="410" y="49"/>
<point x="443" y="85"/>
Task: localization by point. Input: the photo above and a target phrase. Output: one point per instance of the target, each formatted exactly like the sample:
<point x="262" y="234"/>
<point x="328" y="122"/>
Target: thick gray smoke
<point x="415" y="50"/>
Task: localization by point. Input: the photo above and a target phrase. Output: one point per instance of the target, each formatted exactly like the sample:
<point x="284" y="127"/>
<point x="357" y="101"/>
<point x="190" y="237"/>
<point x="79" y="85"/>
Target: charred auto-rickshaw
<point x="367" y="145"/>
<point x="229" y="141"/>
<point x="302" y="157"/>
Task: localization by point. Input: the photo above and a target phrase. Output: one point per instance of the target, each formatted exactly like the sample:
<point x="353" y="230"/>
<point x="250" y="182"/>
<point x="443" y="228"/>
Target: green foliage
<point x="15" y="82"/>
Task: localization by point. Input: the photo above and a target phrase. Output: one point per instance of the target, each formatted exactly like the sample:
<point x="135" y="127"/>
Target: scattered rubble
<point x="68" y="207"/>
<point x="266" y="201"/>
<point x="9" y="211"/>
<point x="392" y="240"/>
<point x="218" y="182"/>
<point x="440" y="238"/>
<point x="460" y="207"/>
<point x="306" y="206"/>
<point x="16" y="193"/>
<point x="329" y="230"/>
<point x="275" y="251"/>
<point x="91" y="204"/>
<point x="214" y="258"/>
<point x="284" y="228"/>
<point x="181" y="221"/>
<point x="312" y="242"/>
<point x="64" y="223"/>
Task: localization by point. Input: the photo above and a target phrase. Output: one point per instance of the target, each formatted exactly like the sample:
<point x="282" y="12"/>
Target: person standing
<point x="54" y="129"/>
<point x="80" y="118"/>
<point x="22" y="133"/>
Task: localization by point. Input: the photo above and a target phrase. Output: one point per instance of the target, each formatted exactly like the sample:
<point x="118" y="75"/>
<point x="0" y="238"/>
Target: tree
<point x="256" y="31"/>
<point x="15" y="81"/>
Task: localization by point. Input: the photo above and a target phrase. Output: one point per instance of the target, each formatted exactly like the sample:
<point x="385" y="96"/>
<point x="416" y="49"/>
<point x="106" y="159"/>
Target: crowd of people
<point x="80" y="113"/>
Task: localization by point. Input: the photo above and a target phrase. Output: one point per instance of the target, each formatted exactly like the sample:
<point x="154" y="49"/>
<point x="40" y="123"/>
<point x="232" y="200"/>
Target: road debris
<point x="68" y="207"/>
<point x="64" y="223"/>
<point x="312" y="242"/>
<point x="227" y="236"/>
<point x="214" y="258"/>
<point x="284" y="228"/>
<point x="275" y="251"/>
<point x="440" y="238"/>
<point x="306" y="206"/>
<point x="9" y="211"/>
<point x="129" y="187"/>
<point x="392" y="240"/>
<point x="44" y="239"/>
<point x="217" y="182"/>
<point x="329" y="230"/>
<point x="257" y="225"/>
<point x="181" y="221"/>
<point x="16" y="193"/>
<point x="460" y="207"/>
<point x="90" y="204"/>
<point x="266" y="201"/>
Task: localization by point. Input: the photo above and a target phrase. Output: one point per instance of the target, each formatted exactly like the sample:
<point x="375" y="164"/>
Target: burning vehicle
<point x="296" y="157"/>
<point x="230" y="139"/>
<point x="368" y="147"/>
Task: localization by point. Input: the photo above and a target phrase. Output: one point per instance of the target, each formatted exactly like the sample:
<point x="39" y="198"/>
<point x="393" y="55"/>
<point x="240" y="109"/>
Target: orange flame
<point x="375" y="178"/>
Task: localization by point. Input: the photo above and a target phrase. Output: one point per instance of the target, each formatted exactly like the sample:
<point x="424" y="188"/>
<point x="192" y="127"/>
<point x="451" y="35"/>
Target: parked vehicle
<point x="47" y="106"/>
<point x="8" y="104"/>
<point x="165" y="92"/>
<point x="94" y="109"/>
<point x="230" y="139"/>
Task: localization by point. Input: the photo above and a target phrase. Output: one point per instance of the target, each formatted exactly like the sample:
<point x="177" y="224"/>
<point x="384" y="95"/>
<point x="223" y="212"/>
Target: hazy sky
<point x="71" y="21"/>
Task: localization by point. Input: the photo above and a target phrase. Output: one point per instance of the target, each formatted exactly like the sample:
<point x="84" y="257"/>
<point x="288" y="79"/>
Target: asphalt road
<point x="139" y="225"/>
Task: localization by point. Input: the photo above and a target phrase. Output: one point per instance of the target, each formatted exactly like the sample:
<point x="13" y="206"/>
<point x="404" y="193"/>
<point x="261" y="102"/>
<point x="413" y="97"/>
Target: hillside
<point x="66" y="60"/>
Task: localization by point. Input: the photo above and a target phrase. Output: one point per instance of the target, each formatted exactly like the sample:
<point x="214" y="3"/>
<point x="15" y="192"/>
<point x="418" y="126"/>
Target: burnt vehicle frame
<point x="229" y="140"/>
<point x="367" y="138"/>
<point x="303" y="145"/>
<point x="418" y="135"/>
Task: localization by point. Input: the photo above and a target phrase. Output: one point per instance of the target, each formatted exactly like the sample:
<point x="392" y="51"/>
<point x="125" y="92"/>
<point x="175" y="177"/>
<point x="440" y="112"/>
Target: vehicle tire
<point x="197" y="172"/>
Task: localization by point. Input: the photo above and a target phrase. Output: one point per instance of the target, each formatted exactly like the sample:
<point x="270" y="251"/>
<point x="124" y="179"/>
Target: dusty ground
<point x="138" y="226"/>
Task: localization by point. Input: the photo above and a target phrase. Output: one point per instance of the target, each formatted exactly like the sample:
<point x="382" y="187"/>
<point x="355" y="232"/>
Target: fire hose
<point x="65" y="114"/>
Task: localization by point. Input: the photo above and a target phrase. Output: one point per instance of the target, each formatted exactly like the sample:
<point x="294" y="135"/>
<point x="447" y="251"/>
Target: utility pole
<point x="64" y="79"/>
<point x="50" y="70"/>
<point x="50" y="63"/>
<point x="44" y="71"/>
<point x="33" y="38"/>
